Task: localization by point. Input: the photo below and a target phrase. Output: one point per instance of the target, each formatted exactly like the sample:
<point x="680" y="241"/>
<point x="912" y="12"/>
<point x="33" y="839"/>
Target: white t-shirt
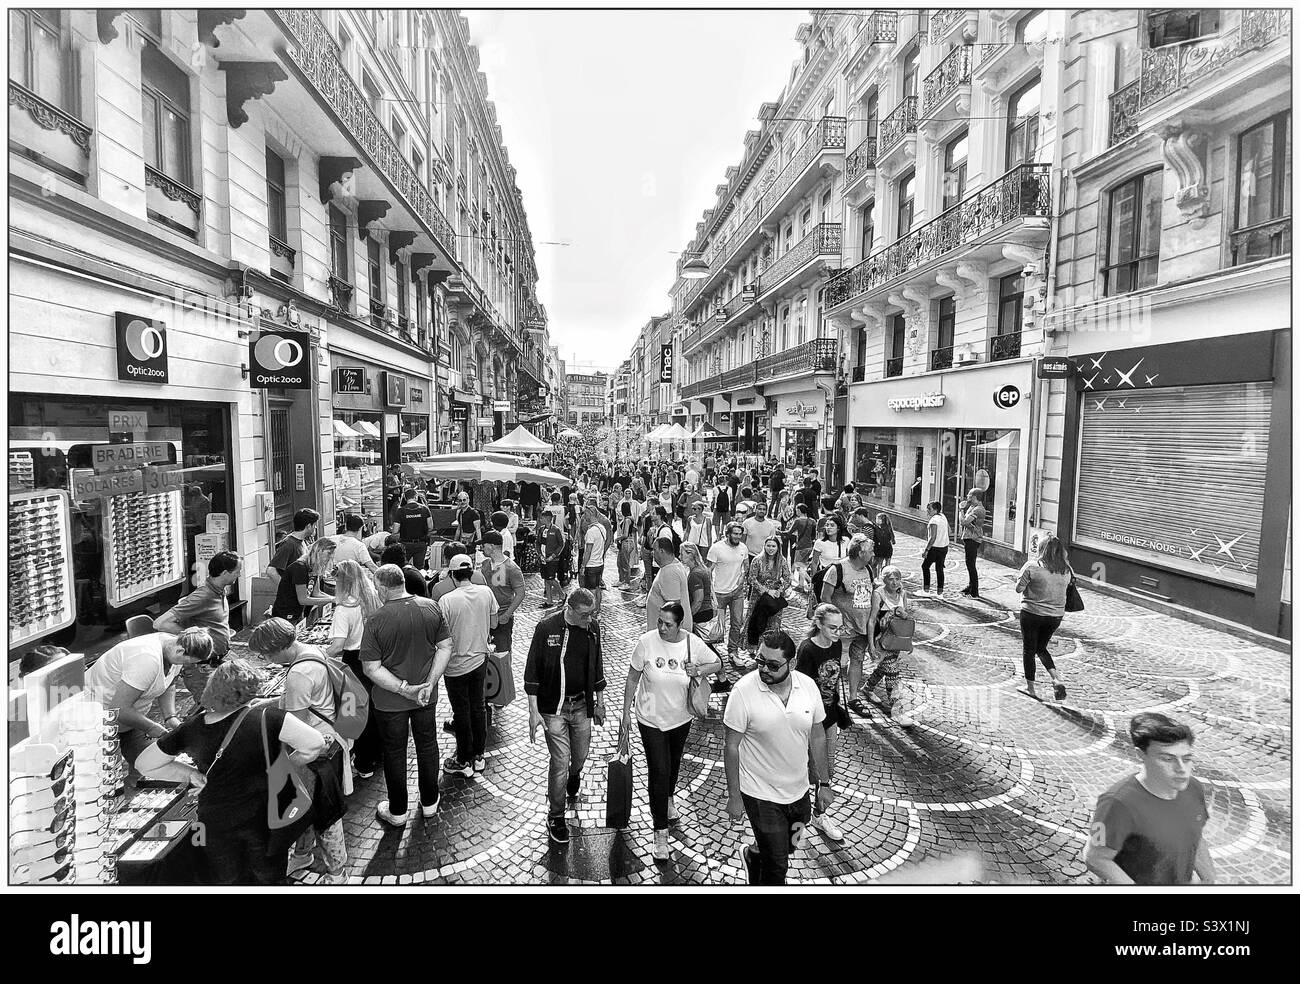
<point x="508" y="543"/>
<point x="661" y="695"/>
<point x="697" y="533"/>
<point x="347" y="625"/>
<point x="595" y="541"/>
<point x="756" y="533"/>
<point x="940" y="525"/>
<point x="729" y="565"/>
<point x="137" y="662"/>
<point x="692" y="477"/>
<point x="774" y="746"/>
<point x="828" y="552"/>
<point x="350" y="548"/>
<point x="558" y="512"/>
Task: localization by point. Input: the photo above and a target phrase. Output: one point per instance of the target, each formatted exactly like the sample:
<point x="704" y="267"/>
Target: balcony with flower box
<point x="803" y="262"/>
<point x="815" y="356"/>
<point x="945" y="93"/>
<point x="1205" y="74"/>
<point x="1013" y="210"/>
<point x="896" y="136"/>
<point x="48" y="135"/>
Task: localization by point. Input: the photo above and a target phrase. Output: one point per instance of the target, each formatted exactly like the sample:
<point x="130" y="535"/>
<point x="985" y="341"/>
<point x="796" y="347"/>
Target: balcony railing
<point x="881" y="26"/>
<point x="708" y="385"/>
<point x="37" y="117"/>
<point x="738" y="378"/>
<point x="952" y="72"/>
<point x="941" y="358"/>
<point x="283" y="250"/>
<point x="829" y="135"/>
<point x="1024" y="191"/>
<point x="823" y="240"/>
<point x="893" y="367"/>
<point x="1262" y="241"/>
<point x="897" y="125"/>
<point x="858" y="374"/>
<point x="1167" y="70"/>
<point x="317" y="56"/>
<point x="1003" y="347"/>
<point x="941" y="22"/>
<point x="817" y="355"/>
<point x="861" y="160"/>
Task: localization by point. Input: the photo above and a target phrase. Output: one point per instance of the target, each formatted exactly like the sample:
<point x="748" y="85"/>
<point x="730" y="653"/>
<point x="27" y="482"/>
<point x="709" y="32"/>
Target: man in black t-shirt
<point x="413" y="522"/>
<point x="468" y="521"/>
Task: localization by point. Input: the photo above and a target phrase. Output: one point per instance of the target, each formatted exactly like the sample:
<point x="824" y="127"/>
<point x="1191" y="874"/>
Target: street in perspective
<point x="834" y="447"/>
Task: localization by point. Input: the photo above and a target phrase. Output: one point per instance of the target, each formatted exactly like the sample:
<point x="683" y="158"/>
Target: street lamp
<point x="695" y="268"/>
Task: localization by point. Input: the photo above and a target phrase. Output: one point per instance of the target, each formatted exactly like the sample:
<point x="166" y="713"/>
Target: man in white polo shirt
<point x="773" y="721"/>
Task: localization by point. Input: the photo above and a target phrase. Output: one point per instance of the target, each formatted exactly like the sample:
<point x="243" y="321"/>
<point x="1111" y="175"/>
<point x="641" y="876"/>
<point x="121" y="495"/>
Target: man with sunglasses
<point x="773" y="721"/>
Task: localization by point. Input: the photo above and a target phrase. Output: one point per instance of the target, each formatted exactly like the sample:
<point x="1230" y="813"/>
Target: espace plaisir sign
<point x="280" y="359"/>
<point x="141" y="349"/>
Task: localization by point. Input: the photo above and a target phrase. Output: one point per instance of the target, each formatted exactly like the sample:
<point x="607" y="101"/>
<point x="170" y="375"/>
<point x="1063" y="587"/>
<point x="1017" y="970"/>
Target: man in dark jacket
<point x="564" y="678"/>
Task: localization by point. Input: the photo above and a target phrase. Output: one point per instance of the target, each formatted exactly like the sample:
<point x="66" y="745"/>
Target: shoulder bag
<point x="896" y="636"/>
<point x="1073" y="600"/>
<point x="698" y="690"/>
<point x="288" y="798"/>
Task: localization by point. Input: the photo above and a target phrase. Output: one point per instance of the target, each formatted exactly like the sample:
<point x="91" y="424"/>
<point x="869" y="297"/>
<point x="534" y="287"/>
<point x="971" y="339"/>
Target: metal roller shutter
<point x="1176" y="475"/>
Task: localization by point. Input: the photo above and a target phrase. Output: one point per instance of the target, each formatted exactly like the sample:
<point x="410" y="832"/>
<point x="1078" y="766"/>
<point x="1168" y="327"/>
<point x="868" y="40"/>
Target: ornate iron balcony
<point x="893" y="367"/>
<point x="316" y="55"/>
<point x="1003" y="347"/>
<point x="952" y="72"/>
<point x="1169" y="69"/>
<point x="897" y="125"/>
<point x="738" y="378"/>
<point x="1262" y="241"/>
<point x="172" y="189"/>
<point x="881" y="26"/>
<point x="1024" y="191"/>
<point x="49" y="117"/>
<point x="861" y="160"/>
<point x="823" y="240"/>
<point x="817" y="355"/>
<point x="941" y="358"/>
<point x="282" y="249"/>
<point x="941" y="22"/>
<point x="829" y="135"/>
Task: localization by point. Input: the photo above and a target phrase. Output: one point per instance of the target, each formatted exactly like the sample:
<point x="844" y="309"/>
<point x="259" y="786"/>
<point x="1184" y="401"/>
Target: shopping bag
<point x="618" y="787"/>
<point x="499" y="680"/>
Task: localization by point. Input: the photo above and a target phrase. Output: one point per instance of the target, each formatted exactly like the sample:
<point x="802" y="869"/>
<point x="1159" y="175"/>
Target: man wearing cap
<point x="470" y="611"/>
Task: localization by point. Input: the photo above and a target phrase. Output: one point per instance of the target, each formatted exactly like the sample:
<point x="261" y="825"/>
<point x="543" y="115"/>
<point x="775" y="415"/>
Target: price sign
<point x="127" y="421"/>
<point x="103" y="486"/>
<point x="218" y="522"/>
<point x="162" y="480"/>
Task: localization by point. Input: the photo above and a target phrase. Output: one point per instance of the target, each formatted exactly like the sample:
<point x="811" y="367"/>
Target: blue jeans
<point x="774" y="825"/>
<point x="568" y="736"/>
<point x="395" y="727"/>
<point x="733" y="603"/>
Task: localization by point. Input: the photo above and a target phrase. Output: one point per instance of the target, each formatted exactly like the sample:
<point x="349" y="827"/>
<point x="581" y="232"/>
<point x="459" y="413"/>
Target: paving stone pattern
<point x="989" y="786"/>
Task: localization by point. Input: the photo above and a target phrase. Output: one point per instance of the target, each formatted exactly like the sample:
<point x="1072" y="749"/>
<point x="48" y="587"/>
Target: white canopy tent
<point x="520" y="441"/>
<point x="569" y="434"/>
<point x="484" y="467"/>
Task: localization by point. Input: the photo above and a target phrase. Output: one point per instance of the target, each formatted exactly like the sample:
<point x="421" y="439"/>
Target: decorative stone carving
<point x="332" y="170"/>
<point x="104" y="23"/>
<point x="398" y="241"/>
<point x="212" y="18"/>
<point x="963" y="279"/>
<point x="368" y="212"/>
<point x="1184" y="149"/>
<point x="245" y="81"/>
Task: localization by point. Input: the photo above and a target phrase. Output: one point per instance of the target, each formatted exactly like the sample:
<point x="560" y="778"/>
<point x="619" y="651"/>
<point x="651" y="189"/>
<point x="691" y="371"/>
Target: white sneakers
<point x="662" y="852"/>
<point x="389" y="817"/>
<point x="826" y="825"/>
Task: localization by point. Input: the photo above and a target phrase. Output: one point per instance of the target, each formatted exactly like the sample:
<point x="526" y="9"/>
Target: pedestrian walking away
<point x="972" y="535"/>
<point x="773" y="730"/>
<point x="1042" y="584"/>
<point x="564" y="678"/>
<point x="1148" y="829"/>
<point x="356" y="601"/>
<point x="405" y="649"/>
<point x="658" y="681"/>
<point x="413" y="522"/>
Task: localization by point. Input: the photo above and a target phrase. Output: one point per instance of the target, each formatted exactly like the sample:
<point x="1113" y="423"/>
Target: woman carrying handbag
<point x="666" y="683"/>
<point x="889" y="635"/>
<point x="1044" y="585"/>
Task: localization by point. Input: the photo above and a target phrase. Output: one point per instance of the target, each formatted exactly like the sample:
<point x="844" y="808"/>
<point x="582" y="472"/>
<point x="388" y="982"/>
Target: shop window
<point x="988" y="460"/>
<point x="954" y="170"/>
<point x="1022" y="124"/>
<point x="875" y="466"/>
<point x="1134" y="496"/>
<point x="339" y="244"/>
<point x="358" y="466"/>
<point x="165" y="109"/>
<point x="906" y="203"/>
<point x="276" y="205"/>
<point x="37" y="54"/>
<point x="415" y="436"/>
<point x="1263" y="217"/>
<point x="1165" y="27"/>
<point x="1133" y="239"/>
<point x="135" y="551"/>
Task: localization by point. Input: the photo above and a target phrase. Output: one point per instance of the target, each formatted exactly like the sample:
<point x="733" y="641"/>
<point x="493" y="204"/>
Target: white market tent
<point x="520" y="441"/>
<point x="655" y="434"/>
<point x="675" y="432"/>
<point x="570" y="434"/>
<point x="483" y="467"/>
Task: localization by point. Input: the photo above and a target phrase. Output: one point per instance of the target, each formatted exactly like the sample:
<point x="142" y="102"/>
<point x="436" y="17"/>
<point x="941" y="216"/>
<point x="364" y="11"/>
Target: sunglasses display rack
<point x="90" y="732"/>
<point x="144" y="544"/>
<point x="41" y="588"/>
<point x="43" y="815"/>
<point x="22" y="471"/>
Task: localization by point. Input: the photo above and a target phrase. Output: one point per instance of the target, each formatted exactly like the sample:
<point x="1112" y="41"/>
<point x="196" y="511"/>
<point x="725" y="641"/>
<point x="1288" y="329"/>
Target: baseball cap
<point x="461" y="562"/>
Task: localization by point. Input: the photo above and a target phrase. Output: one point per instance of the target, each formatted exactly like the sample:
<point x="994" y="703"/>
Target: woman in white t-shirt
<point x="662" y="666"/>
<point x="828" y="549"/>
<point x="356" y="601"/>
<point x="936" y="548"/>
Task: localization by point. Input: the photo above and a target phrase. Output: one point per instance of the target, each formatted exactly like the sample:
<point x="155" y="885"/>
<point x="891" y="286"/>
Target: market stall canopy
<point x="366" y="428"/>
<point x="675" y="432"/>
<point x="420" y="440"/>
<point x="655" y="434"/>
<point x="569" y="434"/>
<point x="483" y="467"/>
<point x="710" y="433"/>
<point x="521" y="441"/>
<point x="343" y="430"/>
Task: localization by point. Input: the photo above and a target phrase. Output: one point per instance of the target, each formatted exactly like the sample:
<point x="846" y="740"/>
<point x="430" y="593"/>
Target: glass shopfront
<point x="901" y="469"/>
<point x="358" y="466"/>
<point x="415" y="436"/>
<point x="135" y="551"/>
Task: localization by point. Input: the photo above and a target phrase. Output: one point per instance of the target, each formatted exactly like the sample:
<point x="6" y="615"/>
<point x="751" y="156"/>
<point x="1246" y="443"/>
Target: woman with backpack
<point x="356" y="600"/>
<point x="646" y="538"/>
<point x="229" y="769"/>
<point x="311" y="695"/>
<point x="1042" y="584"/>
<point x="888" y="603"/>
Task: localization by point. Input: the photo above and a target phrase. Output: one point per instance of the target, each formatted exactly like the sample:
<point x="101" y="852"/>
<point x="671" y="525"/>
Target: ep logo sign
<point x="1007" y="397"/>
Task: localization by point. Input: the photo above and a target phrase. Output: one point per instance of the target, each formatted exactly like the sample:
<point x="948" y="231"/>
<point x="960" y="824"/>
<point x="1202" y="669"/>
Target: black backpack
<point x="819" y="579"/>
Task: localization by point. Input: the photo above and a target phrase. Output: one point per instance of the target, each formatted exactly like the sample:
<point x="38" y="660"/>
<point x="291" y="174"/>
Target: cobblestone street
<point x="990" y="786"/>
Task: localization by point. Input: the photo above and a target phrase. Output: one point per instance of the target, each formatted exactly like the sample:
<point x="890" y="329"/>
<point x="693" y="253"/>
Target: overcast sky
<point x="621" y="124"/>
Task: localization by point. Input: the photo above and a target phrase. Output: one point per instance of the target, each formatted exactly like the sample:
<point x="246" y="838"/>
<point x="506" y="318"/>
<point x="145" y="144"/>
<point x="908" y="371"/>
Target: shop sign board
<point x="162" y="479"/>
<point x="91" y="486"/>
<point x="665" y="363"/>
<point x="349" y="379"/>
<point x="922" y="402"/>
<point x="1007" y="397"/>
<point x="394" y="389"/>
<point x="280" y="359"/>
<point x="113" y="457"/>
<point x="501" y="406"/>
<point x="486" y="422"/>
<point x="127" y="421"/>
<point x="1055" y="367"/>
<point x="141" y="349"/>
<point x="458" y="414"/>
